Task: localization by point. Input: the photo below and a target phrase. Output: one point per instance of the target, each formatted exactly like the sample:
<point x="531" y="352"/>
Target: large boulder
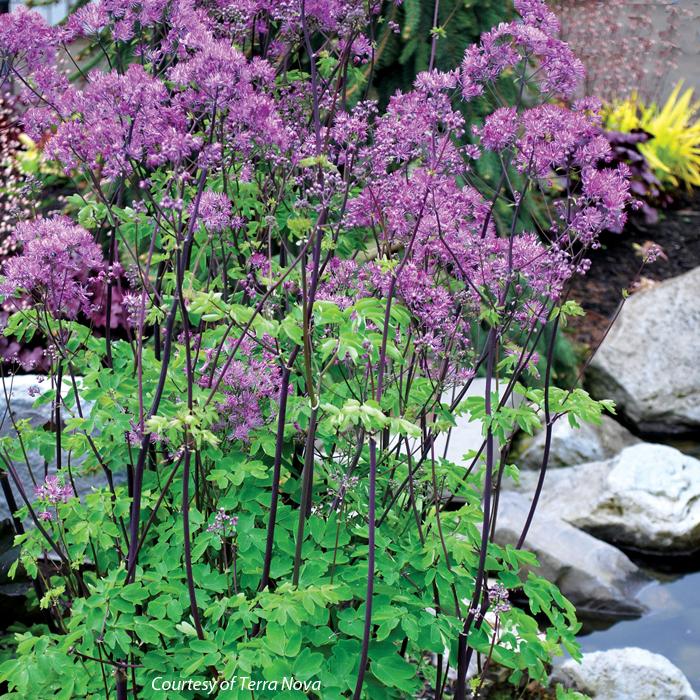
<point x="569" y="446"/>
<point x="648" y="498"/>
<point x="598" y="578"/>
<point x="629" y="673"/>
<point x="649" y="361"/>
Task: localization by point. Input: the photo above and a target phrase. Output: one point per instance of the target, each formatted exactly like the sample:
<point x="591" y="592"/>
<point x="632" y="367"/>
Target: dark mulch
<point x="616" y="264"/>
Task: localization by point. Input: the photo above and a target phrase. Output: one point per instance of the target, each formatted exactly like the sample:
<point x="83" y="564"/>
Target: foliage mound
<point x="673" y="149"/>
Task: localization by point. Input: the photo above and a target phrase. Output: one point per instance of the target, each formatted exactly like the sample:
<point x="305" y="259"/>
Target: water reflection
<point x="671" y="627"/>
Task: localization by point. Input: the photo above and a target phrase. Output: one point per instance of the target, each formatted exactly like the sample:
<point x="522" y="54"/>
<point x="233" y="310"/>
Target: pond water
<point x="671" y="627"/>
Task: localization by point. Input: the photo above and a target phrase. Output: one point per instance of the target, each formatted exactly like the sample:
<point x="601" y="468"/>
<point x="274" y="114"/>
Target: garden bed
<point x="616" y="264"/>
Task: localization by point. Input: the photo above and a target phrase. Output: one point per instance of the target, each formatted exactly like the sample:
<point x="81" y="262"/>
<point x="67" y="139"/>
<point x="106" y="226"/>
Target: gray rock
<point x="649" y="362"/>
<point x="648" y="497"/>
<point x="629" y="673"/>
<point x="598" y="578"/>
<point x="19" y="390"/>
<point x="569" y="446"/>
<point x="21" y="404"/>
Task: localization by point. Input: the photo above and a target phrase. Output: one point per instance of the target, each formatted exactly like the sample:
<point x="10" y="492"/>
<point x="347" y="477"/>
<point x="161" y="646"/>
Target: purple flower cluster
<point x="446" y="226"/>
<point x="26" y="39"/>
<point x="250" y="384"/>
<point x="498" y="598"/>
<point x="402" y="179"/>
<point x="551" y="139"/>
<point x="242" y="174"/>
<point x="512" y="44"/>
<point x="52" y="492"/>
<point x="120" y="118"/>
<point x="215" y="211"/>
<point x="556" y="137"/>
<point x="328" y="16"/>
<point x="59" y="264"/>
<point x="223" y="523"/>
<point x="125" y="20"/>
<point x="114" y="121"/>
<point x="500" y="129"/>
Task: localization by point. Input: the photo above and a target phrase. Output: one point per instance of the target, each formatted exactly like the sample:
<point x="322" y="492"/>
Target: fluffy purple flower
<point x="499" y="598"/>
<point x="126" y="19"/>
<point x="249" y="383"/>
<point x="483" y="63"/>
<point x="537" y="14"/>
<point x="436" y="81"/>
<point x="609" y="190"/>
<point x="117" y="119"/>
<point x="500" y="129"/>
<point x="558" y="71"/>
<point x="400" y="135"/>
<point x="557" y="137"/>
<point x="25" y="36"/>
<point x="57" y="266"/>
<point x="223" y="523"/>
<point x="217" y="74"/>
<point x="88" y="21"/>
<point x="587" y="223"/>
<point x="256" y="122"/>
<point x="215" y="211"/>
<point x="54" y="491"/>
<point x="361" y="49"/>
<point x="347" y="281"/>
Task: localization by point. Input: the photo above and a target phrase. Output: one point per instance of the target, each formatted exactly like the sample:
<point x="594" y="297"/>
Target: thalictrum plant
<point x="315" y="289"/>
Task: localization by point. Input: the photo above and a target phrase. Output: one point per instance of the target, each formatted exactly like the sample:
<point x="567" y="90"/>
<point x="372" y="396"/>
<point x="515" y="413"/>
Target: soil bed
<point x="616" y="264"/>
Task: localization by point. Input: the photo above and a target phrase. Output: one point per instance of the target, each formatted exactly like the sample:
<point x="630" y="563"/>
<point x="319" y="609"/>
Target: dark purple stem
<point x="276" y="472"/>
<point x="464" y="650"/>
<point x="187" y="544"/>
<point x="548" y="425"/>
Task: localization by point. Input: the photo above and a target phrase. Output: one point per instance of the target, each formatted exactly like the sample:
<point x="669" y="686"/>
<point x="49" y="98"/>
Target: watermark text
<point x="164" y="684"/>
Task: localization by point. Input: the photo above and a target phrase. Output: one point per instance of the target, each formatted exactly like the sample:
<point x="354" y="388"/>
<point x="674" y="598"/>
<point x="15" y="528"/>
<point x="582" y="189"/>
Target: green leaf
<point x="394" y="671"/>
<point x="282" y="642"/>
<point x="308" y="664"/>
